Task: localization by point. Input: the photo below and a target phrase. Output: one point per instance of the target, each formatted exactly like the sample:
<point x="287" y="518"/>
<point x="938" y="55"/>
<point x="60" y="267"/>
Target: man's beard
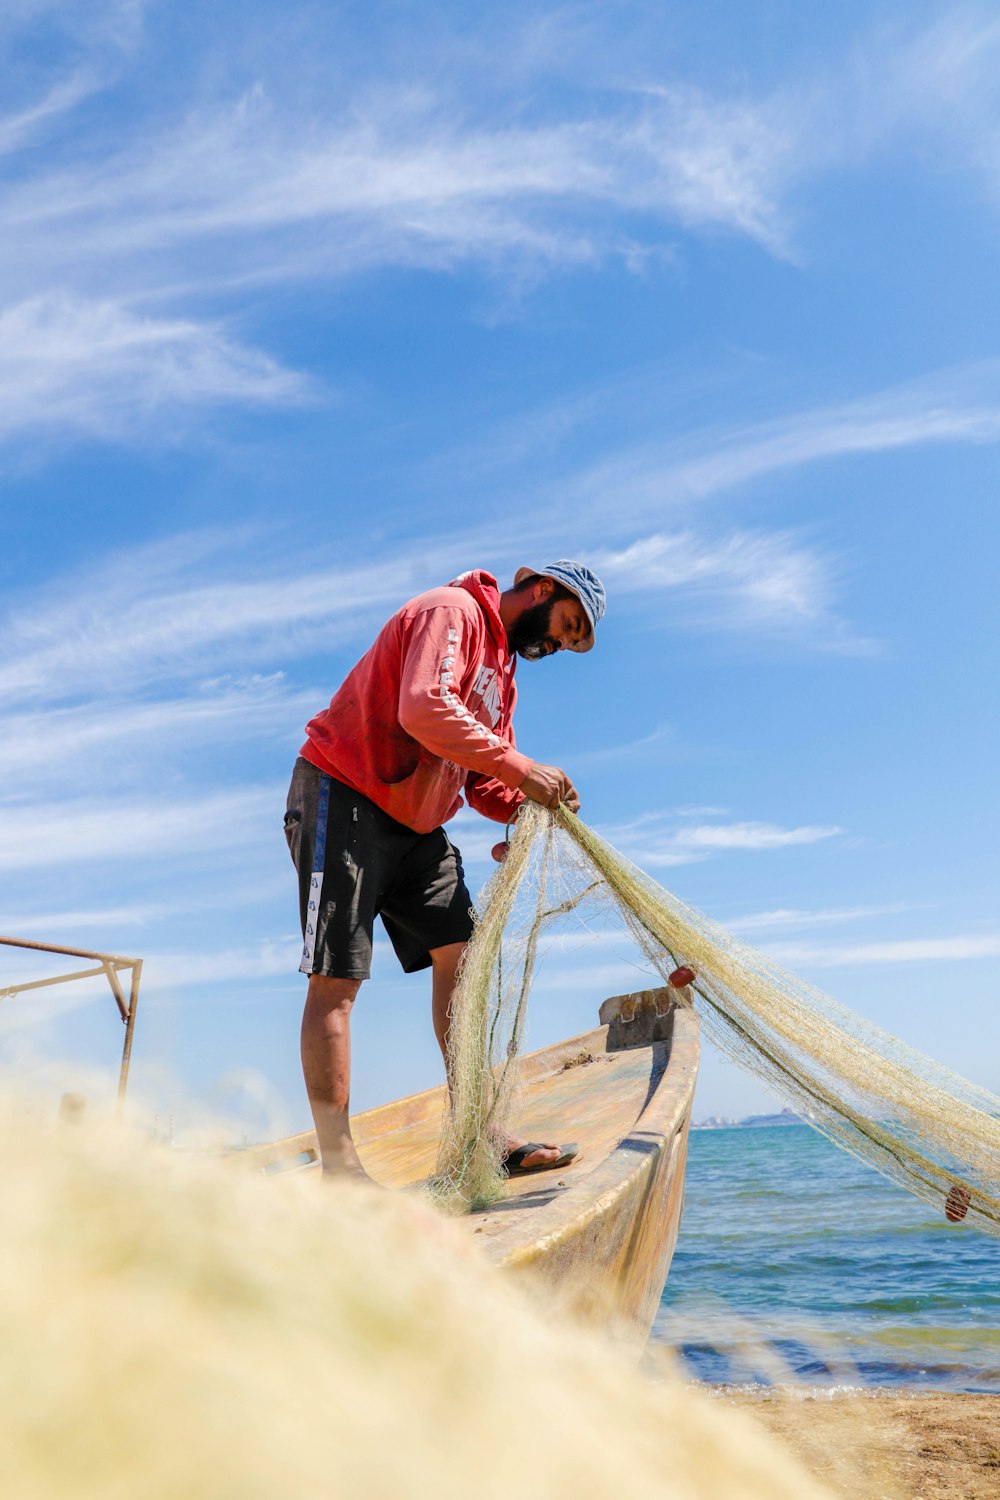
<point x="530" y="635"/>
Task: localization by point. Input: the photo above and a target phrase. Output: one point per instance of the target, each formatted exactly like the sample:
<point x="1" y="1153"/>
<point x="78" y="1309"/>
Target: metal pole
<point x="109" y="963"/>
<point x="18" y="988"/>
<point x="116" y="990"/>
<point x="73" y="952"/>
<point x="133" y="1001"/>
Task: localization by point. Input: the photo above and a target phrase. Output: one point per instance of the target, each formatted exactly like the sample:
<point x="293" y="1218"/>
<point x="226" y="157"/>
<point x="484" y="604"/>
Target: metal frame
<point x="108" y="964"/>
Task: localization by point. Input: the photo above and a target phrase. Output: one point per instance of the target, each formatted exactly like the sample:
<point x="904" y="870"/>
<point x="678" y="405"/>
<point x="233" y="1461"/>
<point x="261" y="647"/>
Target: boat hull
<point x="602" y="1234"/>
<point x="599" y="1234"/>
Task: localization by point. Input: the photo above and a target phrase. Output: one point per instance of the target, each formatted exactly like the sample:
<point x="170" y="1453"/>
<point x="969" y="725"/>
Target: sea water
<point x="797" y="1264"/>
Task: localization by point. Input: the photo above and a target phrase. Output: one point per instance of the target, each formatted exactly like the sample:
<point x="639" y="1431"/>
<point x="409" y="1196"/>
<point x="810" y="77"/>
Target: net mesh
<point x="906" y="1115"/>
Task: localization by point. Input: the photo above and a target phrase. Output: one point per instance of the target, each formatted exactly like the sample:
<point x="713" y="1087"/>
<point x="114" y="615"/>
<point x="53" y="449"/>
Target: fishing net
<point x="906" y="1115"/>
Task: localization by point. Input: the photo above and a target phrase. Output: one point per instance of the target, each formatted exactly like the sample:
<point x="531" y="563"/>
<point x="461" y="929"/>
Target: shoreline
<point x="918" y="1445"/>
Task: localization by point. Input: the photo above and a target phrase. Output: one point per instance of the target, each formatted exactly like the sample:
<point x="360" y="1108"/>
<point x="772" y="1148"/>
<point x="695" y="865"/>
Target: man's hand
<point x="550" y="786"/>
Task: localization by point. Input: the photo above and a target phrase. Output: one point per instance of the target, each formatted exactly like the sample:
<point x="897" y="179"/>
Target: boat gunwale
<point x="575" y="1203"/>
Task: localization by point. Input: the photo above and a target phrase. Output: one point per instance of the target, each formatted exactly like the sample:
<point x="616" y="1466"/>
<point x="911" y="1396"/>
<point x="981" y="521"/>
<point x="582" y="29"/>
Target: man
<point x="423" y="719"/>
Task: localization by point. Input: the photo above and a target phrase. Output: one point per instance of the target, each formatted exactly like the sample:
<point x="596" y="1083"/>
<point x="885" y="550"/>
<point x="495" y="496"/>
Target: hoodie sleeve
<point x="492" y="798"/>
<point x="441" y="647"/>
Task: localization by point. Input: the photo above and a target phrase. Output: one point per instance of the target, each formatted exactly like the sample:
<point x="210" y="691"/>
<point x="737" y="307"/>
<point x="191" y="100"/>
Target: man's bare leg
<point x="326" y="1064"/>
<point x="444" y="966"/>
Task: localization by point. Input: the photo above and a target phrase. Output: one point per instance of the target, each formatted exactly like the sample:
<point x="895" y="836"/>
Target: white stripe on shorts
<point x="312" y="922"/>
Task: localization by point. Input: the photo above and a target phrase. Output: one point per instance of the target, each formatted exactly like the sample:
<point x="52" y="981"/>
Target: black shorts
<point x="355" y="863"/>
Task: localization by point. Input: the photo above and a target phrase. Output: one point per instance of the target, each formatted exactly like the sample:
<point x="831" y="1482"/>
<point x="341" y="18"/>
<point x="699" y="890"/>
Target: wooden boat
<point x="600" y="1233"/>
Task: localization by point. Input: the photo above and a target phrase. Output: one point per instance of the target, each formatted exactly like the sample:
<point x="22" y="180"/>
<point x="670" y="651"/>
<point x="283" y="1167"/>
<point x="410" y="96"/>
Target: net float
<point x="499" y="852"/>
<point x="956" y="1205"/>
<point x="681" y="977"/>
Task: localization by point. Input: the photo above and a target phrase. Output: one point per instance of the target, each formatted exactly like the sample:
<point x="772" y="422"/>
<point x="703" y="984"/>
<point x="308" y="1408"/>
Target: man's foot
<point x="341" y="1163"/>
<point x="519" y="1156"/>
<point x="348" y="1174"/>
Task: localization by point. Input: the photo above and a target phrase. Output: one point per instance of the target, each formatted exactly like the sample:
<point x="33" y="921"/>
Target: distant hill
<point x="751" y="1122"/>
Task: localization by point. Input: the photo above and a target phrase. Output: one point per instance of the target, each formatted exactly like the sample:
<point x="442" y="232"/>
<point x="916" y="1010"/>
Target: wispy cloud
<point x="960" y="405"/>
<point x="721" y="161"/>
<point x="22" y="126"/>
<point x="411" y="180"/>
<point x="770" y="921"/>
<point x="751" y="836"/>
<point x="770" y="579"/>
<point x="657" y="742"/>
<point x="199" y="603"/>
<point x="22" y="924"/>
<point x="218" y="191"/>
<point x="651" y="842"/>
<point x="55" y="924"/>
<point x="223" y="193"/>
<point x="776" y="583"/>
<point x="107" y="736"/>
<point x="81" y="832"/>
<point x="187" y="607"/>
<point x="94" y="367"/>
<point x="936" y="93"/>
<point x="273" y="958"/>
<point x="658" y="840"/>
<point x="934" y="951"/>
<point x="69" y="35"/>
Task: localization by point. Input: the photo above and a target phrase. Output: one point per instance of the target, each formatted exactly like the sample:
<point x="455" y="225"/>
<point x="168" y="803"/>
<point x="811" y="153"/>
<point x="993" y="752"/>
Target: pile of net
<point x="912" y="1119"/>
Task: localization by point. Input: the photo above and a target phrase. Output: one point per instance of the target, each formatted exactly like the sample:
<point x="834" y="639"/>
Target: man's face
<point x="551" y="625"/>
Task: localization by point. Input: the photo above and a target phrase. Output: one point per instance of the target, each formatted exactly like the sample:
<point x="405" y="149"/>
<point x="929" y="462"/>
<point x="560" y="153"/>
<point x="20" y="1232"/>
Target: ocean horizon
<point x="797" y="1264"/>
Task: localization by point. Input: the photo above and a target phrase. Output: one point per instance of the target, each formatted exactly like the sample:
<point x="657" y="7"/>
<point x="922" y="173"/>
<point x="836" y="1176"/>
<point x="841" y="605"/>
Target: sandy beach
<point x="918" y="1447"/>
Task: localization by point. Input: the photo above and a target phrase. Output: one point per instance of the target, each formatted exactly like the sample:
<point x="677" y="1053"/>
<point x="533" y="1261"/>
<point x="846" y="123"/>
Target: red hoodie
<point x="426" y="713"/>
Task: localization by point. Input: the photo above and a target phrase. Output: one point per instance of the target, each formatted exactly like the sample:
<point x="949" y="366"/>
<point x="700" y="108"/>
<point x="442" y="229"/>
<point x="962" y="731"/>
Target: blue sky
<point x="304" y="309"/>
